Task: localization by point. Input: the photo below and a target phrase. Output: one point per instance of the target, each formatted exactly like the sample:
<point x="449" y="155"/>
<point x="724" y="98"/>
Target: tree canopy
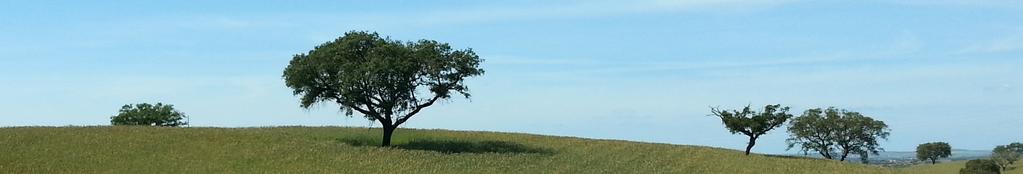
<point x="1005" y="155"/>
<point x="933" y="151"/>
<point x="149" y="115"/>
<point x="752" y="123"/>
<point x="385" y="80"/>
<point x="836" y="132"/>
<point x="1018" y="147"/>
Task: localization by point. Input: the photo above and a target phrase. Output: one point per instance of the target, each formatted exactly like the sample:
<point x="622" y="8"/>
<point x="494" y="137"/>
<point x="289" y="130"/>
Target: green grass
<point x="940" y="168"/>
<point x="951" y="168"/>
<point x="352" y="150"/>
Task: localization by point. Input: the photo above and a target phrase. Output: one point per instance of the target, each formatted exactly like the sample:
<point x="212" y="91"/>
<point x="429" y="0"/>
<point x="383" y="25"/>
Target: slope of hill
<point x="951" y="168"/>
<point x="351" y="150"/>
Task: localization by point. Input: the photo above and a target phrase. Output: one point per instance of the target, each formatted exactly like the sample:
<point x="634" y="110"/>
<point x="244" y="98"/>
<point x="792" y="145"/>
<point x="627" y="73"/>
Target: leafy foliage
<point x="980" y="166"/>
<point x="149" y="115"/>
<point x="751" y="123"/>
<point x="835" y="132"/>
<point x="385" y="80"/>
<point x="1005" y="155"/>
<point x="1017" y="147"/>
<point x="933" y="151"/>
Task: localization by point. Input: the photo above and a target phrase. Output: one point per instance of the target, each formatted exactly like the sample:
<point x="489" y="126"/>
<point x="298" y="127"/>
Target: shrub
<point x="149" y="115"/>
<point x="980" y="166"/>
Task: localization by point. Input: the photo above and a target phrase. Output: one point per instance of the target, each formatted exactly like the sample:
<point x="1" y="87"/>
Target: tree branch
<point x="369" y="112"/>
<point x="747" y="132"/>
<point x="418" y="108"/>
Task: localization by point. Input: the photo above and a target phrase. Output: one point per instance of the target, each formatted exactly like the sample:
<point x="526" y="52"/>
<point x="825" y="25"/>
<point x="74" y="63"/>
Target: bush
<point x="149" y="115"/>
<point x="980" y="166"/>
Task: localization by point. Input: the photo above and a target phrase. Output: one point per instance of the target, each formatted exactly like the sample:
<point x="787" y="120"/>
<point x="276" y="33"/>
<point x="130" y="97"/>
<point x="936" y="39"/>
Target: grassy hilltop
<point x="353" y="150"/>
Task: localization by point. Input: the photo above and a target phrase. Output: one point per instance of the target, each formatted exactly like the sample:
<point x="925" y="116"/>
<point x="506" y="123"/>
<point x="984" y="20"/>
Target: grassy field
<point x="951" y="168"/>
<point x="352" y="150"/>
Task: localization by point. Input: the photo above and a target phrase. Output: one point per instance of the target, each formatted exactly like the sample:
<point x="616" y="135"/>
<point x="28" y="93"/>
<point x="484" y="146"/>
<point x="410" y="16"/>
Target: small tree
<point x="149" y="115"/>
<point x="751" y="123"/>
<point x="933" y="151"/>
<point x="1004" y="156"/>
<point x="385" y="80"/>
<point x="980" y="166"/>
<point x="835" y="133"/>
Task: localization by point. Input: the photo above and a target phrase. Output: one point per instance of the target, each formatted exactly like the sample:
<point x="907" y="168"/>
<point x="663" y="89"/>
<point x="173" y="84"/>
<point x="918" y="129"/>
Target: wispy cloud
<point x="578" y="9"/>
<point x="901" y="47"/>
<point x="1012" y="41"/>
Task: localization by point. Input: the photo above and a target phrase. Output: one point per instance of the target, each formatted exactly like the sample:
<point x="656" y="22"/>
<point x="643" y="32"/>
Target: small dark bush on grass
<point x="980" y="166"/>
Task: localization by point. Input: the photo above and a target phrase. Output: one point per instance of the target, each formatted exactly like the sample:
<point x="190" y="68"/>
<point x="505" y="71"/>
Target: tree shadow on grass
<point x="792" y="157"/>
<point x="454" y="146"/>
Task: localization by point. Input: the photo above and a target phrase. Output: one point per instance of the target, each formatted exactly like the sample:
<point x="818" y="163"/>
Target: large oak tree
<point x="836" y="133"/>
<point x="385" y="80"/>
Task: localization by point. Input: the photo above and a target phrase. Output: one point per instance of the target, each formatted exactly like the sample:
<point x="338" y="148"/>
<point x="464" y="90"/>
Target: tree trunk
<point x="934" y="161"/>
<point x="388" y="131"/>
<point x="845" y="153"/>
<point x="826" y="154"/>
<point x="749" y="146"/>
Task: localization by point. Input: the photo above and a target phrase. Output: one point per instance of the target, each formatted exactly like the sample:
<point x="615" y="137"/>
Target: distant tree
<point x="837" y="133"/>
<point x="385" y="80"/>
<point x="1005" y="156"/>
<point x="933" y="151"/>
<point x="864" y="157"/>
<point x="751" y="123"/>
<point x="980" y="166"/>
<point x="149" y="115"/>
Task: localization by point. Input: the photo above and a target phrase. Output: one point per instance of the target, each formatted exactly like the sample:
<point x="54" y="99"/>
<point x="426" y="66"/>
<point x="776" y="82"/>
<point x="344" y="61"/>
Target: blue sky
<point x="634" y="70"/>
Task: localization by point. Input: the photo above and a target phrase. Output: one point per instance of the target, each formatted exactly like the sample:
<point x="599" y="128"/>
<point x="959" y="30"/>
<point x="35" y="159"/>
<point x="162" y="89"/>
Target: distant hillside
<point x="957" y="154"/>
<point x="904" y="158"/>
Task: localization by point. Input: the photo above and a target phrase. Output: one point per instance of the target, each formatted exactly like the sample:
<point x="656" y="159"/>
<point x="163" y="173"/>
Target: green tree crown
<point x="149" y="115"/>
<point x="383" y="79"/>
<point x="751" y="123"/>
<point x="933" y="151"/>
<point x="836" y="132"/>
<point x="1005" y="155"/>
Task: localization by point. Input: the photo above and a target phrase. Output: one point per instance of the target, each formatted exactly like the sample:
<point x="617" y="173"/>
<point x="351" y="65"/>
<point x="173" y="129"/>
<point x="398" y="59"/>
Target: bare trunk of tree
<point x="934" y="161"/>
<point x="827" y="155"/>
<point x="749" y="146"/>
<point x="845" y="153"/>
<point x="388" y="131"/>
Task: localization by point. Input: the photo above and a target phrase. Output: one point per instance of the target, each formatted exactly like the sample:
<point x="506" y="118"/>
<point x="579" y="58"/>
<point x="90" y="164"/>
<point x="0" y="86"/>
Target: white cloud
<point x="906" y="43"/>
